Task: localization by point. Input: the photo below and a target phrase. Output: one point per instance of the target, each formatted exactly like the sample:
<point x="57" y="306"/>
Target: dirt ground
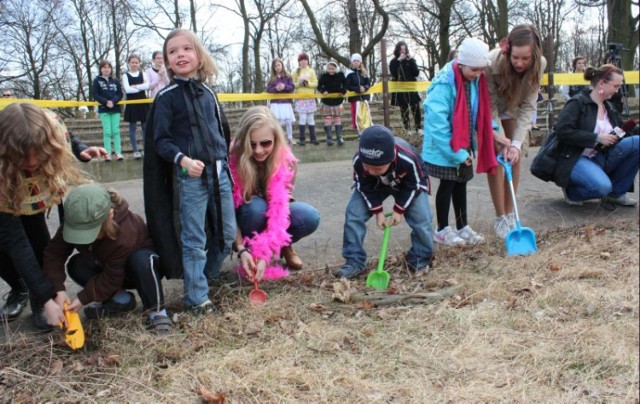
<point x="557" y="326"/>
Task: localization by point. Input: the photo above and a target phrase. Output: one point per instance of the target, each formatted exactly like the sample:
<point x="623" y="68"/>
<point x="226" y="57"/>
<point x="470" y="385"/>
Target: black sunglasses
<point x="6" y="95"/>
<point x="263" y="143"/>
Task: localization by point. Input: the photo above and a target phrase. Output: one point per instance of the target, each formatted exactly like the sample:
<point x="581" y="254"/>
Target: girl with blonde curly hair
<point x="38" y="167"/>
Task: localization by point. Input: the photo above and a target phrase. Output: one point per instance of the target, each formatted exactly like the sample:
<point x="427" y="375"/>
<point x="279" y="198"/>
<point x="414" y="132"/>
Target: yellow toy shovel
<point x="74" y="335"/>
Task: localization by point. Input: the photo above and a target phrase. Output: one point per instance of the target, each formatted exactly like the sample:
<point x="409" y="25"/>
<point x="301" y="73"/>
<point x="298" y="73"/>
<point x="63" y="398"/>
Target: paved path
<point x="326" y="185"/>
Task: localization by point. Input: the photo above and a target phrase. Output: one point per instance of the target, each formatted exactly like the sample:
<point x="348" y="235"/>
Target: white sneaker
<point x="623" y="200"/>
<point x="470" y="236"/>
<point x="501" y="226"/>
<point x="137" y="155"/>
<point x="447" y="236"/>
<point x="511" y="219"/>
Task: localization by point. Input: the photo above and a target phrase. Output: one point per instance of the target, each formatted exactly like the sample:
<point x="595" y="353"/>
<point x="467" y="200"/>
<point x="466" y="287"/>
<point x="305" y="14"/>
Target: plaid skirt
<point x="462" y="173"/>
<point x="329" y="111"/>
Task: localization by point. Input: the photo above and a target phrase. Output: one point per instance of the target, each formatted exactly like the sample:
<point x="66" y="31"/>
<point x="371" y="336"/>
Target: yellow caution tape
<point x="632" y="77"/>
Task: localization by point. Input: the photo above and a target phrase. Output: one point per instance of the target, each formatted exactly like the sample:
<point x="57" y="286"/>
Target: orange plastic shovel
<point x="74" y="334"/>
<point x="257" y="296"/>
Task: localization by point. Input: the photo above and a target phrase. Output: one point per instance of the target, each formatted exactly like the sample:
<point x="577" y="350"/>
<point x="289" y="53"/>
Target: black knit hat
<point x="377" y="146"/>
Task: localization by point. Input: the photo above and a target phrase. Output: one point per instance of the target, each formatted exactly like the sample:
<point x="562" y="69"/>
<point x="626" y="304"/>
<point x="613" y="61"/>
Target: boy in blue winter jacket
<point x="387" y="166"/>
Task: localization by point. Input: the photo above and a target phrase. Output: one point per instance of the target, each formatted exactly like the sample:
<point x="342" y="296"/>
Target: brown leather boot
<point x="291" y="258"/>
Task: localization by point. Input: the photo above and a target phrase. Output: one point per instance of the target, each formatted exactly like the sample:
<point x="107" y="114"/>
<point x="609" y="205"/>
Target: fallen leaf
<point x="342" y="291"/>
<point x="209" y="397"/>
<point x="512" y="303"/>
<point x="317" y="307"/>
<point x="554" y="267"/>
<point x="112" y="360"/>
<point x="56" y="367"/>
<point x="307" y="279"/>
<point x="536" y="284"/>
<point x="364" y="304"/>
<point x="605" y="255"/>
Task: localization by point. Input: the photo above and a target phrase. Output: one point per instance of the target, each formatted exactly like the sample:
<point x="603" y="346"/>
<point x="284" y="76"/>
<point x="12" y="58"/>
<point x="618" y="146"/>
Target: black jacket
<point x="159" y="191"/>
<point x="404" y="70"/>
<point x="332" y="83"/>
<point x="407" y="177"/>
<point x="107" y="90"/>
<point x="353" y="80"/>
<point x="574" y="130"/>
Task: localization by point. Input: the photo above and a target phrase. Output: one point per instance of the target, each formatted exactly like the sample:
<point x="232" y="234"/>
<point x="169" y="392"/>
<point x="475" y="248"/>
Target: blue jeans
<point x="196" y="199"/>
<point x="605" y="174"/>
<point x="418" y="217"/>
<point x="132" y="134"/>
<point x="251" y="217"/>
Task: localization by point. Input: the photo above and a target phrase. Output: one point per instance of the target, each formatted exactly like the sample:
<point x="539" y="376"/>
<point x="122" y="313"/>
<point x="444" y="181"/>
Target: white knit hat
<point x="356" y="56"/>
<point x="473" y="53"/>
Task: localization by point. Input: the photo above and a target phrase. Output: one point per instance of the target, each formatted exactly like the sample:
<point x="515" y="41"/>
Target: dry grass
<point x="557" y="326"/>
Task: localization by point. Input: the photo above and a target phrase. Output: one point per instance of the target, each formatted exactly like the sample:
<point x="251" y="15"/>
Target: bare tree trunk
<point x="176" y="8"/>
<point x="246" y="79"/>
<point x="192" y="12"/>
<point x="355" y="36"/>
<point x="623" y="29"/>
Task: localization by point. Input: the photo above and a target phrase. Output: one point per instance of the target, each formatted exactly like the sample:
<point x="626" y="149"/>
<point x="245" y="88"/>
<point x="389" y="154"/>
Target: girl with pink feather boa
<point x="269" y="220"/>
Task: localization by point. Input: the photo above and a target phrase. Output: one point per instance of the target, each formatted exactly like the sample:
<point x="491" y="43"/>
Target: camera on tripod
<point x="614" y="47"/>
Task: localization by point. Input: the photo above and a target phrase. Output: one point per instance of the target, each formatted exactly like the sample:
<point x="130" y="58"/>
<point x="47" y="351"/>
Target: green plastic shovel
<point x="379" y="279"/>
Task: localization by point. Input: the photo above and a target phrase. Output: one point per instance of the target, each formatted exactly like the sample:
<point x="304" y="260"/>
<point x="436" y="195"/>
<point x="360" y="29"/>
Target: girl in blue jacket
<point x="458" y="130"/>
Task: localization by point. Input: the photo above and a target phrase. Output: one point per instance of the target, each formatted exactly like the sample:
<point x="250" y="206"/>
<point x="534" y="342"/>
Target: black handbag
<point x="544" y="164"/>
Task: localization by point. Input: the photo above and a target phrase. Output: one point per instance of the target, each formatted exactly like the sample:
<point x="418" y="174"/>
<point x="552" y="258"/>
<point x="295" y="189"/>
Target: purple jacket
<point x="288" y="88"/>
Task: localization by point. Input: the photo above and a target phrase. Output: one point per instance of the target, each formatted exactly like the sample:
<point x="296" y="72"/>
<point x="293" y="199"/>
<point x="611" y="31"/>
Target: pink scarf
<point x="460" y="137"/>
<point x="267" y="244"/>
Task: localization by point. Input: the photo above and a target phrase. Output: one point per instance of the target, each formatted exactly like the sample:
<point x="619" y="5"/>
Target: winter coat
<point x="353" y="80"/>
<point x="288" y="88"/>
<point x="407" y="176"/>
<point x="404" y="70"/>
<point x="523" y="111"/>
<point x="109" y="255"/>
<point x="107" y="90"/>
<point x="309" y="75"/>
<point x="438" y="115"/>
<point x="332" y="83"/>
<point x="575" y="132"/>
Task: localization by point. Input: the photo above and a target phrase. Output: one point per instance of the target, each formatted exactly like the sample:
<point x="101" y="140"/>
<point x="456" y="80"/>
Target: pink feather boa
<point x="268" y="243"/>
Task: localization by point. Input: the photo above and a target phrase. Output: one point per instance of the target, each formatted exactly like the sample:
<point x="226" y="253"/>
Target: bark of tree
<point x="355" y="41"/>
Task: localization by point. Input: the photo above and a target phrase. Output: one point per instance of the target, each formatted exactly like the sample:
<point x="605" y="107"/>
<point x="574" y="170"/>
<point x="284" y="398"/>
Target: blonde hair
<point x="25" y="127"/>
<point x="513" y="87"/>
<point x="274" y="75"/>
<point x="249" y="171"/>
<point x="110" y="227"/>
<point x="363" y="70"/>
<point x="207" y="69"/>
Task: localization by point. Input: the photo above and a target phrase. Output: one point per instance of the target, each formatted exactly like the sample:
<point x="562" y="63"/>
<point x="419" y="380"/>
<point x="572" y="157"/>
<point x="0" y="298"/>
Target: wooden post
<point x="385" y="83"/>
<point x="550" y="70"/>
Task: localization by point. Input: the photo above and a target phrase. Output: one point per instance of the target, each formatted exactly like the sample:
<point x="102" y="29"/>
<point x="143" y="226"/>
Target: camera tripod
<point x="621" y="99"/>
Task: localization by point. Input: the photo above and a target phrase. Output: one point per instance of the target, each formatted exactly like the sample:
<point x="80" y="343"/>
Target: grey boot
<point x="312" y="135"/>
<point x="302" y="139"/>
<point x="327" y="131"/>
<point x="339" y="135"/>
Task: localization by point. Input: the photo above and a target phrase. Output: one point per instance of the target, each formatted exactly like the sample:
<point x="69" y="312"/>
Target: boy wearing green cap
<point x="114" y="253"/>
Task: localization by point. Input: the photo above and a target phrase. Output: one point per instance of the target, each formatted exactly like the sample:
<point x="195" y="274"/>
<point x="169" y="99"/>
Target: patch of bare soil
<point x="557" y="326"/>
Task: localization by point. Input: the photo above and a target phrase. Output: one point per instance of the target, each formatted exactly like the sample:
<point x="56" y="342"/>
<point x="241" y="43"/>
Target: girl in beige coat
<point x="513" y="79"/>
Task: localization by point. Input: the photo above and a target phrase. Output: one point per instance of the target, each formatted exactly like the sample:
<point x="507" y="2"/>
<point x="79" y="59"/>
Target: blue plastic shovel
<point x="521" y="240"/>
